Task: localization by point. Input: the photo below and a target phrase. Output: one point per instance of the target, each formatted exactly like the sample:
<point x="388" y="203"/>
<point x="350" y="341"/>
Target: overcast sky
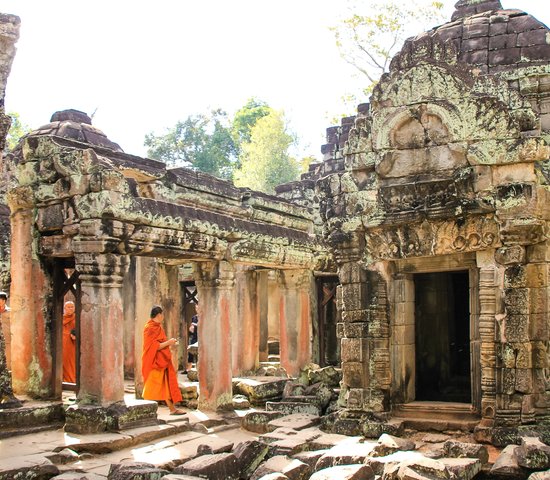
<point x="142" y="66"/>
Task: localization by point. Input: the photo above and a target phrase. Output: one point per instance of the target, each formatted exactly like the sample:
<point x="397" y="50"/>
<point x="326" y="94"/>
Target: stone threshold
<point x="437" y="416"/>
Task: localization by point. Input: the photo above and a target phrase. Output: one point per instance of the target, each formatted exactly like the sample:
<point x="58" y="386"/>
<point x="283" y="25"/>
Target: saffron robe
<point x="69" y="349"/>
<point x="159" y="375"/>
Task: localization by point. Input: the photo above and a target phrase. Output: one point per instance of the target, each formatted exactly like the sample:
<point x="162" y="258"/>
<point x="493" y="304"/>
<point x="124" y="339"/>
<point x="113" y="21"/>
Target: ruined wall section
<point x="9" y="34"/>
<point x="447" y="162"/>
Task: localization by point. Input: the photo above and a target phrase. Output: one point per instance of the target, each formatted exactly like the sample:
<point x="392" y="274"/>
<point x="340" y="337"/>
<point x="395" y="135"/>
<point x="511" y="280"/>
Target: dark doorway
<point x="442" y="335"/>
<point x="329" y="345"/>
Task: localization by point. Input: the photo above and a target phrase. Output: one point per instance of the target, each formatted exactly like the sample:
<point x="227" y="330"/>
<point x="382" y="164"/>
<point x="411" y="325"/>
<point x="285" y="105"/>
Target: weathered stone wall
<point x="9" y="34"/>
<point x="446" y="171"/>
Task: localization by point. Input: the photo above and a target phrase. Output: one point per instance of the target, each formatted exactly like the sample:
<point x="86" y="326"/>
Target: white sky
<point x="142" y="66"/>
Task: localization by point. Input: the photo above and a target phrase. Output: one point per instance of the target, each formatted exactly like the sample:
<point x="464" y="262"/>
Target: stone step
<point x="437" y="416"/>
<point x="30" y="418"/>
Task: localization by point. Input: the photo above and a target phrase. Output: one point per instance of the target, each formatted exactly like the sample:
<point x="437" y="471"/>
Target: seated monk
<point x="159" y="375"/>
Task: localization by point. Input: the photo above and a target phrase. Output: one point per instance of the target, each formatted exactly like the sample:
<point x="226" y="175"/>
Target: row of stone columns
<point x="230" y="309"/>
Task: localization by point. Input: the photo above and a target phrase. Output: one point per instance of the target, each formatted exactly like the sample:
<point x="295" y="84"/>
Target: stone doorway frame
<point x="402" y="322"/>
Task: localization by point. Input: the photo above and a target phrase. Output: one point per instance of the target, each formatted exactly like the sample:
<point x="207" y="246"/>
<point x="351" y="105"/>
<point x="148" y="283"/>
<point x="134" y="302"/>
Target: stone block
<point x="292" y="468"/>
<point x="258" y="421"/>
<point x="346" y="453"/>
<point x="507" y="40"/>
<point x="516" y="301"/>
<point x="344" y="472"/>
<point x="355" y="374"/>
<point x="424" y="468"/>
<point x="516" y="328"/>
<point x="524" y="380"/>
<point x="290" y="408"/>
<point x="535" y="53"/>
<point x="259" y="391"/>
<point x="355" y="316"/>
<point x="455" y="449"/>
<point x="505" y="57"/>
<point x="522" y="23"/>
<point x="221" y="466"/>
<point x="354" y="349"/>
<point x="479" y="43"/>
<point x="532" y="37"/>
<point x="404" y="313"/>
<point x="462" y="468"/>
<point x="249" y="455"/>
<point x="298" y="421"/>
<point x="403" y="335"/>
<point x="135" y="471"/>
<point x="506" y="464"/>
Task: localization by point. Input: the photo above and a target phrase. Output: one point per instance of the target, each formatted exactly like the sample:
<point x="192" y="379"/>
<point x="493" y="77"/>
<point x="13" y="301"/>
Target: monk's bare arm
<point x="168" y="343"/>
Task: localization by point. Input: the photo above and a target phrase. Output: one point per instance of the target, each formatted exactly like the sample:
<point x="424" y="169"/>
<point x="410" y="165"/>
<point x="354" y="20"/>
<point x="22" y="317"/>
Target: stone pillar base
<point x="84" y="419"/>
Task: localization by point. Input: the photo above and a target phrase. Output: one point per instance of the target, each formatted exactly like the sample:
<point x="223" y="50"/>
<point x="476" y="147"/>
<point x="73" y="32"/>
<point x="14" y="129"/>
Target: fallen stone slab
<point x="462" y="468"/>
<point x="456" y="449"/>
<point x="346" y="453"/>
<point x="240" y="402"/>
<point x="325" y="441"/>
<point x="310" y="457"/>
<point x="321" y="392"/>
<point x="380" y="465"/>
<point x="289" y="408"/>
<point x="290" y="467"/>
<point x="249" y="456"/>
<point x="135" y="471"/>
<point x="261" y="389"/>
<point x="330" y="376"/>
<point x="63" y="457"/>
<point x="344" y="472"/>
<point x="174" y="476"/>
<point x="220" y="466"/>
<point x="388" y="444"/>
<point x="533" y="454"/>
<point x="30" y="466"/>
<point x="78" y="476"/>
<point x="274" y="476"/>
<point x="295" y="444"/>
<point x="297" y="421"/>
<point x="540" y="475"/>
<point x="506" y="464"/>
<point x="435" y="438"/>
<point x="423" y="468"/>
<point x="258" y="422"/>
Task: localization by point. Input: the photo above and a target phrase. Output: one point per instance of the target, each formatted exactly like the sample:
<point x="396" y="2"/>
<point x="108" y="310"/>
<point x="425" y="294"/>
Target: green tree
<point x="368" y="40"/>
<point x="246" y="117"/>
<point x="17" y="130"/>
<point x="265" y="160"/>
<point x="203" y="142"/>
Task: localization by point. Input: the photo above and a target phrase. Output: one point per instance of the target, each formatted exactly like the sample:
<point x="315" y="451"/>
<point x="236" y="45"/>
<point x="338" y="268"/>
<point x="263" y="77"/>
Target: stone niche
<point x="437" y="220"/>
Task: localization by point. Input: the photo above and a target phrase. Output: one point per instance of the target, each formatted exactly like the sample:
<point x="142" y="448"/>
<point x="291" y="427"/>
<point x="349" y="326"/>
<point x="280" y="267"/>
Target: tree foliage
<point x="246" y="117"/>
<point x="368" y="40"/>
<point x="265" y="159"/>
<point x="203" y="142"/>
<point x="17" y="130"/>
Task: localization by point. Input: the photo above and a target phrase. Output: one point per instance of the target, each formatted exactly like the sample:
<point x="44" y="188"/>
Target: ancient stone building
<point x="436" y="211"/>
<point x="116" y="231"/>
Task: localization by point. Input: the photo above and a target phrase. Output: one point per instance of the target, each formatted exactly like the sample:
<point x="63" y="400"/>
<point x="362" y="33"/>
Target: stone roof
<point x="76" y="125"/>
<point x="494" y="39"/>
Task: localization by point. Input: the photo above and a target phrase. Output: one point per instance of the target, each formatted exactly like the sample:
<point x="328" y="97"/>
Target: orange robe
<point x="69" y="349"/>
<point x="159" y="375"/>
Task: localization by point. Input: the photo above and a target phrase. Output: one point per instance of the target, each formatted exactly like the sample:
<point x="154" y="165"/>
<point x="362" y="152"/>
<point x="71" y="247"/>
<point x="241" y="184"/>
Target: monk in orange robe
<point x="69" y="343"/>
<point x="159" y="375"/>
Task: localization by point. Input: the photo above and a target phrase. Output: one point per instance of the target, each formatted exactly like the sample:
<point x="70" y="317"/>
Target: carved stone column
<point x="296" y="321"/>
<point x="100" y="401"/>
<point x="101" y="328"/>
<point x="245" y="325"/>
<point x="30" y="303"/>
<point x="215" y="283"/>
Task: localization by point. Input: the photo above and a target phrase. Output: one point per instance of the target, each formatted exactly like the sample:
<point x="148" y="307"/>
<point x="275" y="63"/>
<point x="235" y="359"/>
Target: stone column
<point x="30" y="302"/>
<point x="273" y="310"/>
<point x="245" y="325"/>
<point x="403" y="335"/>
<point x="215" y="282"/>
<point x="101" y="328"/>
<point x="263" y="314"/>
<point x="295" y="314"/>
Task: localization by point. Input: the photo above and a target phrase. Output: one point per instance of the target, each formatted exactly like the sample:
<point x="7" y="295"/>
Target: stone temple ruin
<point x="415" y="257"/>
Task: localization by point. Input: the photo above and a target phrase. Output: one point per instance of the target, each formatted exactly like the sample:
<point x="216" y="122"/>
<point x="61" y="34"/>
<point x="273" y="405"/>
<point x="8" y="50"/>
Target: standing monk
<point x="5" y="320"/>
<point x="159" y="375"/>
<point x="69" y="343"/>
